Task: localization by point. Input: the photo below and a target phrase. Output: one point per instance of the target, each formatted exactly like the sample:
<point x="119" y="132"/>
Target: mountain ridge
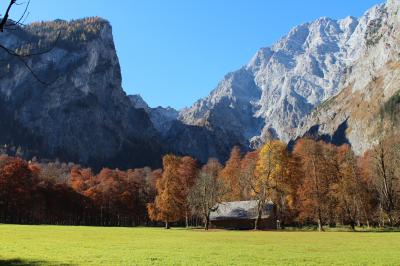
<point x="283" y="83"/>
<point x="305" y="84"/>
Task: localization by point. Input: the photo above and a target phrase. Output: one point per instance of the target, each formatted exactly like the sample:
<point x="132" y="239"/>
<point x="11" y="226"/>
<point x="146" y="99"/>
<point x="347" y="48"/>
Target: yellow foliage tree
<point x="269" y="173"/>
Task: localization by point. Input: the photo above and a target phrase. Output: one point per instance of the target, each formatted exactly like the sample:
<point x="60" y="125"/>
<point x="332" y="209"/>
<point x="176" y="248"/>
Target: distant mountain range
<point x="337" y="80"/>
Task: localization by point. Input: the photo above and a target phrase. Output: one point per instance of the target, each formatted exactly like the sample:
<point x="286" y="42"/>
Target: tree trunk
<point x="187" y="219"/>
<point x="320" y="228"/>
<point x="207" y="222"/>
<point x="101" y="216"/>
<point x="278" y="224"/>
<point x="257" y="221"/>
<point x="167" y="225"/>
<point x="353" y="225"/>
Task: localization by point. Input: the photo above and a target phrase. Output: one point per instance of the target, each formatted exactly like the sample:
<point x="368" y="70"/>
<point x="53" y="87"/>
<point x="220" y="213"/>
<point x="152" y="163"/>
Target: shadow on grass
<point x="21" y="262"/>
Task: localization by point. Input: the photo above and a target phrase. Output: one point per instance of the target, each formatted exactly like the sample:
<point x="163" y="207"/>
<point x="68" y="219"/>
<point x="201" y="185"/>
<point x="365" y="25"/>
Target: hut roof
<point x="240" y="210"/>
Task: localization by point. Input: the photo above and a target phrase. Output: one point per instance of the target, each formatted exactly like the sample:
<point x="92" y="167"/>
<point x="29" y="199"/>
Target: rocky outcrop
<point x="369" y="103"/>
<point x="81" y="114"/>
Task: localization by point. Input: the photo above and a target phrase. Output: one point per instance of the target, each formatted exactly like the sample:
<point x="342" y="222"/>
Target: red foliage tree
<point x="16" y="182"/>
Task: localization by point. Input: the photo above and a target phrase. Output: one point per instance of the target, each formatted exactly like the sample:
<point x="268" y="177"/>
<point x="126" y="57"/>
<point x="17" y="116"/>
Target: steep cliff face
<point x="285" y="82"/>
<point x="82" y="114"/>
<point x="368" y="105"/>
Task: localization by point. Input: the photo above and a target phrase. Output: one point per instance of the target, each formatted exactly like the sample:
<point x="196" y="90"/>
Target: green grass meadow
<point x="58" y="245"/>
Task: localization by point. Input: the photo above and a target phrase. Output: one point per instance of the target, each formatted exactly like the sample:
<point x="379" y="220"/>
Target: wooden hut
<point x="242" y="215"/>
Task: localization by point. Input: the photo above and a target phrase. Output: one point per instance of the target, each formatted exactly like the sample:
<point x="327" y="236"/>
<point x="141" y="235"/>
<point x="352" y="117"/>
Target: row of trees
<point x="56" y="193"/>
<point x="314" y="184"/>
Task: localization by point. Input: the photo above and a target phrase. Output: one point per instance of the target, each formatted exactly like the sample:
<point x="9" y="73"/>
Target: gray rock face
<point x="367" y="107"/>
<point x="283" y="83"/>
<point x="161" y="117"/>
<point x="138" y="102"/>
<point x="83" y="115"/>
<point x="200" y="142"/>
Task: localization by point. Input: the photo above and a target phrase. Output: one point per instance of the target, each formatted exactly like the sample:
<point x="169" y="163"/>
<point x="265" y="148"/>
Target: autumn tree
<point x="247" y="173"/>
<point x="171" y="203"/>
<point x="16" y="182"/>
<point x="104" y="192"/>
<point x="270" y="167"/>
<point x="314" y="192"/>
<point x="187" y="173"/>
<point x="349" y="186"/>
<point x="80" y="179"/>
<point x="230" y="175"/>
<point x="208" y="191"/>
<point x="289" y="198"/>
<point x="385" y="161"/>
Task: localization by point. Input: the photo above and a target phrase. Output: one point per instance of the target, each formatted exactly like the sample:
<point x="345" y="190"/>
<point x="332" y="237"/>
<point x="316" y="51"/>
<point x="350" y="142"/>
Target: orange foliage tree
<point x="314" y="192"/>
<point x="187" y="172"/>
<point x="247" y="173"/>
<point x="230" y="175"/>
<point x="171" y="203"/>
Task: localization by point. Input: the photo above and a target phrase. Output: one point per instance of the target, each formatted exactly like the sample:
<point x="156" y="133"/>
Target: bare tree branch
<point x="5" y="25"/>
<point x="23" y="17"/>
<point x="22" y="60"/>
<point x="5" y="18"/>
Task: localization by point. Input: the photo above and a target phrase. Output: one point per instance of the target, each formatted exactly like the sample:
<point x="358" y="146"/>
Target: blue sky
<point x="174" y="52"/>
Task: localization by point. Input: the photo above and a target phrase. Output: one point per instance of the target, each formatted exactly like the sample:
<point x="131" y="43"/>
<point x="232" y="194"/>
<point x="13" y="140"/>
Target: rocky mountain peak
<point x="283" y="83"/>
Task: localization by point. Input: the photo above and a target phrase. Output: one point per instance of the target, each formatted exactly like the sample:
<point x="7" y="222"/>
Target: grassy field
<point x="55" y="245"/>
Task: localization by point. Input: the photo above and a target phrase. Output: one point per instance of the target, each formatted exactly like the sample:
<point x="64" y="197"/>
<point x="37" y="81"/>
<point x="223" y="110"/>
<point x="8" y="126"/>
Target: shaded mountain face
<point x="199" y="142"/>
<point x="83" y="115"/>
<point x="369" y="103"/>
<point x="282" y="84"/>
<point x="161" y="117"/>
